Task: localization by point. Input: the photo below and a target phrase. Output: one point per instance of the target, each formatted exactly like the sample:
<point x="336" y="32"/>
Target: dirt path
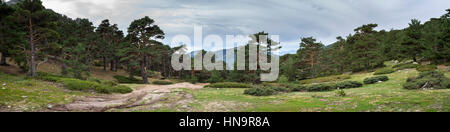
<point x="146" y="95"/>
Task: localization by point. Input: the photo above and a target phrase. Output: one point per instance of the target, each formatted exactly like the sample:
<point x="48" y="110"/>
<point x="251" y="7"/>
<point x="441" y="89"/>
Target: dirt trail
<point x="146" y="95"/>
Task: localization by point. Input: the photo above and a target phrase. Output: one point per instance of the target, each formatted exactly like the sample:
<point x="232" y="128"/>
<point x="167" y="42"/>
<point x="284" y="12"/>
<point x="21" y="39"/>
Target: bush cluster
<point x="326" y="79"/>
<point x="123" y="79"/>
<point x="426" y="80"/>
<point x="92" y="84"/>
<point x="159" y="82"/>
<point x="229" y="85"/>
<point x="373" y="80"/>
<point x="426" y="68"/>
<point x="269" y="89"/>
<point x="260" y="91"/>
<point x="405" y="66"/>
<point x="384" y="71"/>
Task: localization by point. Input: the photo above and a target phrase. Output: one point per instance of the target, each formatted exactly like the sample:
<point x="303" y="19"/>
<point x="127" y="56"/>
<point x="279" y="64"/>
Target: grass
<point x="23" y="94"/>
<point x="385" y="97"/>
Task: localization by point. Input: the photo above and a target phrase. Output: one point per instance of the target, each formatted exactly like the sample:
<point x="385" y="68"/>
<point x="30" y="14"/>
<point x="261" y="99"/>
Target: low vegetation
<point x="97" y="85"/>
<point x="326" y="79"/>
<point x="229" y="85"/>
<point x="405" y="66"/>
<point x="373" y="80"/>
<point x="428" y="80"/>
<point x="127" y="80"/>
<point x="159" y="82"/>
<point x="426" y="68"/>
<point x="384" y="71"/>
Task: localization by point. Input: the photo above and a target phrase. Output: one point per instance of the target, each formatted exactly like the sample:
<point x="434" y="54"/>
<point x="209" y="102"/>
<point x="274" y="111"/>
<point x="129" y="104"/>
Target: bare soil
<point x="143" y="96"/>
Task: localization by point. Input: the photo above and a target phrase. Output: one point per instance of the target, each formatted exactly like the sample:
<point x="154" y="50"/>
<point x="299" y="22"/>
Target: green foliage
<point x="384" y="71"/>
<point x="260" y="91"/>
<point x="283" y="79"/>
<point x="215" y="77"/>
<point x="341" y="93"/>
<point x="326" y="79"/>
<point x="427" y="80"/>
<point x="373" y="80"/>
<point x="123" y="79"/>
<point x="405" y="66"/>
<point x="121" y="89"/>
<point x="426" y="68"/>
<point x="348" y="84"/>
<point x="229" y="85"/>
<point x="294" y="87"/>
<point x="320" y="87"/>
<point x="158" y="82"/>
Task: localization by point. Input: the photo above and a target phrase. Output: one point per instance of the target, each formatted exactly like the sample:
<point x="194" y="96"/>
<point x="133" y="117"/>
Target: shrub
<point x="229" y="85"/>
<point x="384" y="71"/>
<point x="80" y="85"/>
<point x="341" y="93"/>
<point x="294" y="87"/>
<point x="48" y="77"/>
<point x="432" y="79"/>
<point x="348" y="84"/>
<point x="326" y="79"/>
<point x="320" y="87"/>
<point x="123" y="79"/>
<point x="373" y="80"/>
<point x="158" y="82"/>
<point x="260" y="91"/>
<point x="426" y="68"/>
<point x="405" y="66"/>
<point x="283" y="79"/>
<point x="108" y="83"/>
<point x="121" y="89"/>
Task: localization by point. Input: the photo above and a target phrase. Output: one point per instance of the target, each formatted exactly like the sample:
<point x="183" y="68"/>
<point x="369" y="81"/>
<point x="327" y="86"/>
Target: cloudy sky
<point x="291" y="19"/>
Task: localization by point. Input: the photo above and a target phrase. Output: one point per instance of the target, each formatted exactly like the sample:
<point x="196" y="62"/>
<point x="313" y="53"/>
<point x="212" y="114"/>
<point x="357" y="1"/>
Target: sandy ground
<point x="147" y="95"/>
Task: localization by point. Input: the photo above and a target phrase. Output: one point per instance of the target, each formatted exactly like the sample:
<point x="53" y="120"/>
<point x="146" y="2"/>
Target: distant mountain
<point x="13" y="2"/>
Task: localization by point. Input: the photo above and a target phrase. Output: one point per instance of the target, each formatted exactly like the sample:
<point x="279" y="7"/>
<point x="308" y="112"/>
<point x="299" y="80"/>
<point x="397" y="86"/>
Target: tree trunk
<point x="116" y="64"/>
<point x="3" y="60"/>
<point x="143" y="72"/>
<point x="104" y="63"/>
<point x="112" y="65"/>
<point x="32" y="65"/>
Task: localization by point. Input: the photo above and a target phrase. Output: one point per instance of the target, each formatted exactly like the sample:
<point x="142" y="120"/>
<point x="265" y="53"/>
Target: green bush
<point x="158" y="82"/>
<point x="384" y="71"/>
<point x="229" y="85"/>
<point x="79" y="85"/>
<point x="283" y="79"/>
<point x="373" y="80"/>
<point x="426" y="68"/>
<point x="48" y="77"/>
<point x="348" y="84"/>
<point x="294" y="87"/>
<point x="405" y="66"/>
<point x="320" y="87"/>
<point x="326" y="79"/>
<point x="123" y="79"/>
<point x="341" y="93"/>
<point x="260" y="91"/>
<point x="431" y="79"/>
<point x="121" y="89"/>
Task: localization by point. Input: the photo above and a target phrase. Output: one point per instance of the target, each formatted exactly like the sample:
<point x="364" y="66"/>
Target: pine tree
<point x="143" y="32"/>
<point x="412" y="45"/>
<point x="310" y="51"/>
<point x="39" y="23"/>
